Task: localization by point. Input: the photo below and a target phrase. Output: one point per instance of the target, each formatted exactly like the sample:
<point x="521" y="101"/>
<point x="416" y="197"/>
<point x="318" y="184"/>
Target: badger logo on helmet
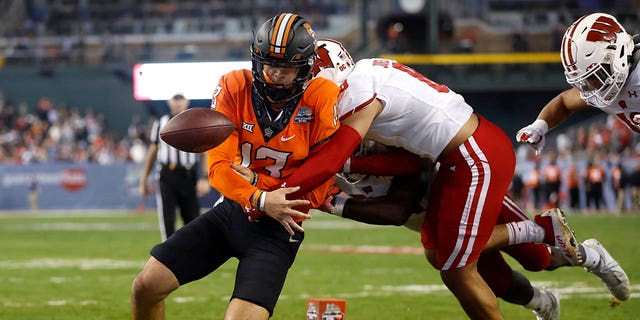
<point x="596" y="56"/>
<point x="334" y="62"/>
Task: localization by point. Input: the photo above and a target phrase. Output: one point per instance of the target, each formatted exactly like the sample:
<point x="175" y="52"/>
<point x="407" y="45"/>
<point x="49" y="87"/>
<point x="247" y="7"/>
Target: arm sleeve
<point x="223" y="178"/>
<point x="267" y="182"/>
<point x="330" y="145"/>
<point x="316" y="196"/>
<point x="324" y="162"/>
<point x="392" y="163"/>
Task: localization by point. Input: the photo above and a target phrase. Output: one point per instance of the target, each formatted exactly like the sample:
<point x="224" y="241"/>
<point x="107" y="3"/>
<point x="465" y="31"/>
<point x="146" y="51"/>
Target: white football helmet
<point x="333" y="62"/>
<point x="596" y="56"/>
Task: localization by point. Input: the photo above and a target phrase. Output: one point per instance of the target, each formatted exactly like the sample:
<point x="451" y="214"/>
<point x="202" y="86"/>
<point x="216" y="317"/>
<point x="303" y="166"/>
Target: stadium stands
<point x="55" y="132"/>
<point x="92" y="31"/>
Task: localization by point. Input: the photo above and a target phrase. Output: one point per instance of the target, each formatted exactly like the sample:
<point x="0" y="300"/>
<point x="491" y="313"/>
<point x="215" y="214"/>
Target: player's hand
<point x="636" y="120"/>
<point x="328" y="204"/>
<point x="282" y="210"/>
<point x="266" y="182"/>
<point x="246" y="173"/>
<point x="533" y="134"/>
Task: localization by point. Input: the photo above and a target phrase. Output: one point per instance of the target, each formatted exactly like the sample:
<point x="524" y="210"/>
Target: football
<point x="197" y="130"/>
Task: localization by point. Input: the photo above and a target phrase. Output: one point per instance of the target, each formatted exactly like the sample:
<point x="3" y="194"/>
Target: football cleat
<point x="551" y="310"/>
<point x="558" y="234"/>
<point x="609" y="271"/>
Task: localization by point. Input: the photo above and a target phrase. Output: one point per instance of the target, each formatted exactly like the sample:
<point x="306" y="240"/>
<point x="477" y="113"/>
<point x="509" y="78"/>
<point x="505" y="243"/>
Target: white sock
<point x="538" y="300"/>
<point x="591" y="257"/>
<point x="525" y="231"/>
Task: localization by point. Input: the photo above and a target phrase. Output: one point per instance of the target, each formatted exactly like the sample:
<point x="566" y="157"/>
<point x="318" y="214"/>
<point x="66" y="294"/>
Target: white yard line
<point x="410" y="250"/>
<point x="60" y="263"/>
<point x="81" y="226"/>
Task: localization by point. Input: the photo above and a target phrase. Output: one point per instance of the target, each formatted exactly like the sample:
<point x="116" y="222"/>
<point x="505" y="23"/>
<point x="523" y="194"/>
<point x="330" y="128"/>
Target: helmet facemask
<point x="600" y="85"/>
<point x="279" y="93"/>
<point x="285" y="40"/>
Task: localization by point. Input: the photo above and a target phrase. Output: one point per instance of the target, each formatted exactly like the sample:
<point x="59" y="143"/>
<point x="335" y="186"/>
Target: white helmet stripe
<point x="567" y="55"/>
<point x="281" y="32"/>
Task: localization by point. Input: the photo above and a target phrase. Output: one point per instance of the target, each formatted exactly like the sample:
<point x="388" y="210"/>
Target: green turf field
<point x="81" y="267"/>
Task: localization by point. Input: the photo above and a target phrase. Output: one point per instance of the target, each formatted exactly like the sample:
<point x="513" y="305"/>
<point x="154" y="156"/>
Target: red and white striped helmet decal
<point x="603" y="29"/>
<point x="567" y="51"/>
<point x="280" y="35"/>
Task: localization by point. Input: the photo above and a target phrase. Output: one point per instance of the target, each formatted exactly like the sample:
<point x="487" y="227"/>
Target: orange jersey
<point x="573" y="178"/>
<point x="533" y="179"/>
<point x="265" y="149"/>
<point x="595" y="174"/>
<point x="552" y="173"/>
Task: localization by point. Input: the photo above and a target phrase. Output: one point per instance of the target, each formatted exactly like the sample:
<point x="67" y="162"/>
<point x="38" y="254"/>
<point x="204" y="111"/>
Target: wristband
<point x="541" y="126"/>
<point x="346" y="168"/>
<point x="338" y="205"/>
<point x="255" y="179"/>
<point x="255" y="197"/>
<point x="261" y="201"/>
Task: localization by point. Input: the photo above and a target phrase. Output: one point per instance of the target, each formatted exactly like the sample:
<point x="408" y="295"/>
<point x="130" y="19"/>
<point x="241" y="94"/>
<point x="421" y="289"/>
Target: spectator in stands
<point x="532" y="184"/>
<point x="552" y="179"/>
<point x="599" y="58"/>
<point x="619" y="183"/>
<point x="594" y="176"/>
<point x="397" y="41"/>
<point x="517" y="186"/>
<point x="466" y="42"/>
<point x="573" y="186"/>
<point x="635" y="188"/>
<point x="50" y="133"/>
<point x="44" y="109"/>
<point x="137" y="129"/>
<point x="34" y="191"/>
<point x="519" y="42"/>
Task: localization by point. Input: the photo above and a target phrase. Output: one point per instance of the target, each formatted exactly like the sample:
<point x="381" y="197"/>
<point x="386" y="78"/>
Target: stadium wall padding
<point x="78" y="186"/>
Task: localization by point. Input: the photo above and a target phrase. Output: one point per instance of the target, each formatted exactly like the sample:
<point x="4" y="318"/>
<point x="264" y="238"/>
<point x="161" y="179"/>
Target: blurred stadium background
<point x="72" y="129"/>
<point x="67" y="79"/>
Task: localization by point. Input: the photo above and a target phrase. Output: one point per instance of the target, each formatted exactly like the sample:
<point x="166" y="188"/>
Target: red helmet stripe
<point x="567" y="56"/>
<point x="604" y="29"/>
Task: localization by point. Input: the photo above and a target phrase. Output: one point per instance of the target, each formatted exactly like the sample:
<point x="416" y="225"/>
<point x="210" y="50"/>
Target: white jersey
<point x="627" y="104"/>
<point x="418" y="114"/>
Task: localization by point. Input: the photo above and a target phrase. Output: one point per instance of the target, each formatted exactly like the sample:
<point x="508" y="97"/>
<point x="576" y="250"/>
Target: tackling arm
<point x="561" y="107"/>
<point x="555" y="112"/>
<point x="326" y="162"/>
<point x="391" y="163"/>
<point x="394" y="208"/>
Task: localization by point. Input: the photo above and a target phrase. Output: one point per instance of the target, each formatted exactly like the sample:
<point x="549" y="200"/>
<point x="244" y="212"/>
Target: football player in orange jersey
<point x="282" y="116"/>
